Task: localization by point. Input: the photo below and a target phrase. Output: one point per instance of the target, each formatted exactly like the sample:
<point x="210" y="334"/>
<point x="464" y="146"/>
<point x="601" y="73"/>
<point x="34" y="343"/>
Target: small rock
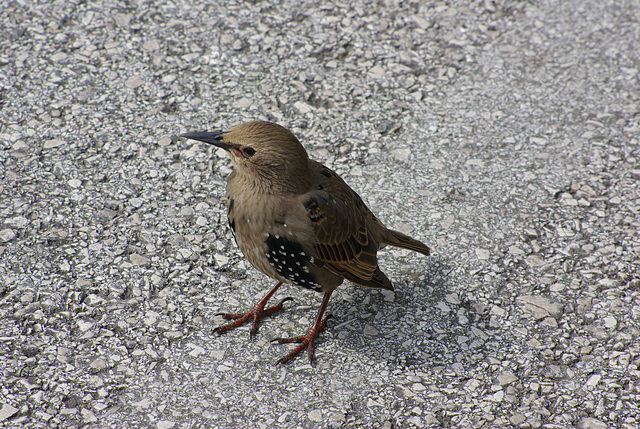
<point x="389" y="295"/>
<point x="30" y="350"/>
<point x="243" y="103"/>
<point x="591" y="423"/>
<point x="593" y="380"/>
<point x="7" y="235"/>
<point x="84" y="325"/>
<point x="302" y="107"/>
<point x="610" y="322"/>
<point x="19" y="146"/>
<point x="105" y="215"/>
<point x="337" y="417"/>
<point x="98" y="365"/>
<point x="446" y="224"/>
<point x="373" y="403"/>
<point x="498" y="396"/>
<point x="142" y="403"/>
<point x="418" y="387"/>
<point x="221" y="259"/>
<point x="74" y="183"/>
<point x="122" y="19"/>
<point x="402" y="154"/>
<point x="540" y="306"/>
<point x="534" y="260"/>
<point x="550" y="322"/>
<point x="88" y="416"/>
<point x="138" y="259"/>
<point x="195" y="350"/>
<point x="370" y="330"/>
<point x="422" y="22"/>
<point x="151" y="45"/>
<point x="376" y="72"/>
<point x="17" y="222"/>
<point x="482" y="254"/>
<point x="7" y="411"/>
<point x="151" y="317"/>
<point x="133" y="82"/>
<point x="506" y="377"/>
<point x="315" y="415"/>
<point x="513" y="250"/>
<point x="50" y="144"/>
<point x="403" y="227"/>
<point x="56" y="234"/>
<point x="169" y="78"/>
<point x="517" y="419"/>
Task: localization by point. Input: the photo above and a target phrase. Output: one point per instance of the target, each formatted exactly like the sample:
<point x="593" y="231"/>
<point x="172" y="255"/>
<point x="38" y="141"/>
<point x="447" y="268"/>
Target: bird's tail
<point x="398" y="239"/>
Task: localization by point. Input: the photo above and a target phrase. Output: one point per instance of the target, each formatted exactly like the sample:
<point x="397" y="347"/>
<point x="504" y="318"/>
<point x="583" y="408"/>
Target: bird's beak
<point x="212" y="137"/>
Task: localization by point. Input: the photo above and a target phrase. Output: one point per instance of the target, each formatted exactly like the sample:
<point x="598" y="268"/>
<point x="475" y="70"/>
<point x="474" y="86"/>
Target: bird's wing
<point x="343" y="243"/>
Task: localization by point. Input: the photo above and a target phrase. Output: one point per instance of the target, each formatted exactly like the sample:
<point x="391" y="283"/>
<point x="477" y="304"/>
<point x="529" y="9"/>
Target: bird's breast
<point x="270" y="243"/>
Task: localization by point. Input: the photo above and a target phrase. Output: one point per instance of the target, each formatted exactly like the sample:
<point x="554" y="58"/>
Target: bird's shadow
<point x="427" y="321"/>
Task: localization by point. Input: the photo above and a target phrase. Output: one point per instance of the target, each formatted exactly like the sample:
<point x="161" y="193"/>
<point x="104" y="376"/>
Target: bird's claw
<point x="257" y="312"/>
<point x="305" y="341"/>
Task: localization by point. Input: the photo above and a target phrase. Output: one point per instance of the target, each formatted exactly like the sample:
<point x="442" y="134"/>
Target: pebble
<point x="315" y="415"/>
<point x="540" y="307"/>
<point x="138" y="259"/>
<point x="98" y="365"/>
<point x="482" y="254"/>
<point x="17" y="222"/>
<point x="610" y="322"/>
<point x="7" y="235"/>
<point x="506" y="378"/>
<point x="134" y="82"/>
<point x="7" y="411"/>
<point x="517" y="419"/>
<point x="88" y="416"/>
<point x="534" y="261"/>
<point x="591" y="423"/>
<point x="50" y="144"/>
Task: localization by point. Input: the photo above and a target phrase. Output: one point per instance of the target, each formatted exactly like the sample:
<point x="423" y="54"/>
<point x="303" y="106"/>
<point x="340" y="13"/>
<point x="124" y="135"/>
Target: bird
<point x="298" y="222"/>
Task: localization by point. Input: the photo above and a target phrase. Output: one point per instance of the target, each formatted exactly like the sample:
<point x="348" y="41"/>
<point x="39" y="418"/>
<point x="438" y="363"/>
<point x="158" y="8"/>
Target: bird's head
<point x="264" y="153"/>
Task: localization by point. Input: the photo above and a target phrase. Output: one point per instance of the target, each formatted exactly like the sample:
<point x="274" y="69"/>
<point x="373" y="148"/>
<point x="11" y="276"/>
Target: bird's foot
<point x="305" y="341"/>
<point x="257" y="312"/>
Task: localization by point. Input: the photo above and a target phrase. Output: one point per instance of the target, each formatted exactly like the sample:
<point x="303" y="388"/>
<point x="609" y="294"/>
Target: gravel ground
<point x="504" y="134"/>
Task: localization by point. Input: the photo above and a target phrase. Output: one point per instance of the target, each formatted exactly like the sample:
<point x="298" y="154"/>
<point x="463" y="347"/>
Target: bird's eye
<point x="248" y="152"/>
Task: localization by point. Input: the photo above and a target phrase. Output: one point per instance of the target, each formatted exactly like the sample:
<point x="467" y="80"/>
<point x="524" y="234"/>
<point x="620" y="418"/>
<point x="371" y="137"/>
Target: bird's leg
<point x="257" y="312"/>
<point x="307" y="339"/>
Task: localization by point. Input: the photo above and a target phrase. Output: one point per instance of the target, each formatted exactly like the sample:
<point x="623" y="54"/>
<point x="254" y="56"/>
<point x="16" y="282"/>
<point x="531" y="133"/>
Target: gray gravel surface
<point x="504" y="134"/>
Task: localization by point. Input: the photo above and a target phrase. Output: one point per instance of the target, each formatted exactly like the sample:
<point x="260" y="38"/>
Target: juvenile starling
<point x="298" y="222"/>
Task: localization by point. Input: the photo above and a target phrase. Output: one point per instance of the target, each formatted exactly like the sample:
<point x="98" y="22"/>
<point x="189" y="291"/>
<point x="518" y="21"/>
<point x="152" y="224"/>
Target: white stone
<point x="74" y="183"/>
<point x="7" y="411"/>
<point x="482" y="254"/>
<point x="7" y="235"/>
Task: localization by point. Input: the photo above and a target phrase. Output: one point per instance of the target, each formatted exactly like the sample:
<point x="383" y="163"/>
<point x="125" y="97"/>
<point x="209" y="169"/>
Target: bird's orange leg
<point x="257" y="312"/>
<point x="307" y="339"/>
